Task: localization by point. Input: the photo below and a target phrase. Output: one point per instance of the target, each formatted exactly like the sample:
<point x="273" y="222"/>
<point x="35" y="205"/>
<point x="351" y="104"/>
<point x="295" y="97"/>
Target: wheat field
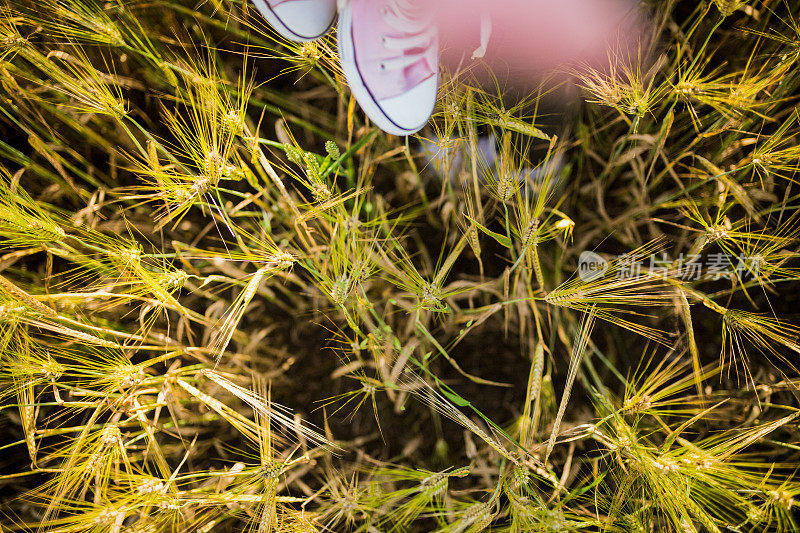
<point x="230" y="303"/>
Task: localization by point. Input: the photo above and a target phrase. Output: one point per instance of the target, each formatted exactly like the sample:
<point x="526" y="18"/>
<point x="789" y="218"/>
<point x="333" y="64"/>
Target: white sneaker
<point x="299" y="20"/>
<point x="389" y="51"/>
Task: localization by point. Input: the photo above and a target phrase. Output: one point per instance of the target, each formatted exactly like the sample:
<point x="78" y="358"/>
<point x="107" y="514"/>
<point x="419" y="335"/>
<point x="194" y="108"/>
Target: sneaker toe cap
<point x="308" y="19"/>
<point x="410" y="111"/>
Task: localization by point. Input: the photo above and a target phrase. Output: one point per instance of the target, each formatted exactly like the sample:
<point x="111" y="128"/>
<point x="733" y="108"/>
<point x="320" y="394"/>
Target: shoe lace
<point x="413" y="19"/>
<point x="415" y="22"/>
<point x="486" y="34"/>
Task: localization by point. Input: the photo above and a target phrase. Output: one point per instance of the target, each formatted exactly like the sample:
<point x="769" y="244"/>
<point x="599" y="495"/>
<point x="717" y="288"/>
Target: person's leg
<point x="299" y="20"/>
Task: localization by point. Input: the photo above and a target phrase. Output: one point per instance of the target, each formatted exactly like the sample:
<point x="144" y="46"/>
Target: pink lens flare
<point x="534" y="40"/>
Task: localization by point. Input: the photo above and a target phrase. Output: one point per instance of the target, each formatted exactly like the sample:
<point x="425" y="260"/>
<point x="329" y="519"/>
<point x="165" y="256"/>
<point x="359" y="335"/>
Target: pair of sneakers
<point x="389" y="51"/>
